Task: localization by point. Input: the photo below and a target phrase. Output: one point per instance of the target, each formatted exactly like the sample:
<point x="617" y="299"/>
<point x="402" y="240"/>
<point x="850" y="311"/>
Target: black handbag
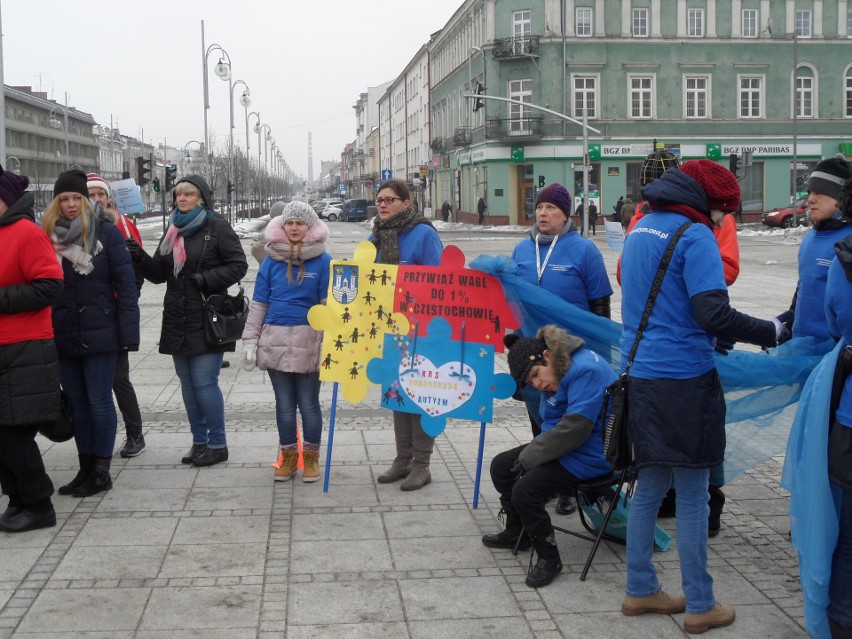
<point x="224" y="317"/>
<point x="617" y="448"/>
<point x="62" y="429"/>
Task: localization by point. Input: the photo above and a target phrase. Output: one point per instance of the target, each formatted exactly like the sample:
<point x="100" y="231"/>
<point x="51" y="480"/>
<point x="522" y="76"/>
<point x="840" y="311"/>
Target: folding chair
<point x="589" y="491"/>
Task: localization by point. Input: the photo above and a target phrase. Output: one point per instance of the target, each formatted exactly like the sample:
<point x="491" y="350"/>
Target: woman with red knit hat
<point x="555" y="258"/>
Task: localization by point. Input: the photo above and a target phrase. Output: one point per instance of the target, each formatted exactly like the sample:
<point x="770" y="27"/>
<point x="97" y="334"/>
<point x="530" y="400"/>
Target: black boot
<point x="716" y="503"/>
<point x="87" y="463"/>
<point x="97" y="481"/>
<point x="549" y="563"/>
<point x="566" y="504"/>
<point x="508" y="538"/>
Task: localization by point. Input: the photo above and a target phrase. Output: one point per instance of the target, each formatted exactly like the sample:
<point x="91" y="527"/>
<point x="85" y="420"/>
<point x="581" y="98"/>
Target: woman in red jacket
<point x="30" y="281"/>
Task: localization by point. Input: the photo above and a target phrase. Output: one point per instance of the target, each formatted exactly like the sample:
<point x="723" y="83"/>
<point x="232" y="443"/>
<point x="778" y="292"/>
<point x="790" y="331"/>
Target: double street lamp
<point x="17" y="169"/>
<point x="54" y="122"/>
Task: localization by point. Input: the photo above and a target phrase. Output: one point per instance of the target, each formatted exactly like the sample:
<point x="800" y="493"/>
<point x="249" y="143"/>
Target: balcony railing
<point x="516" y="47"/>
<point x="501" y="128"/>
<point x="439" y="145"/>
<point x="461" y="136"/>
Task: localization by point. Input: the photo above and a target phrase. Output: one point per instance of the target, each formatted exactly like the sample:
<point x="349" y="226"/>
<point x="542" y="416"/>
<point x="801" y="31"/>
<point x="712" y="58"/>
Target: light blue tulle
<point x="761" y="389"/>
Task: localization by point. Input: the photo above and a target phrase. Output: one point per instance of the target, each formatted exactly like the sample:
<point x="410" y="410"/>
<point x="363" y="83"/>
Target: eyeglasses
<point x="386" y="200"/>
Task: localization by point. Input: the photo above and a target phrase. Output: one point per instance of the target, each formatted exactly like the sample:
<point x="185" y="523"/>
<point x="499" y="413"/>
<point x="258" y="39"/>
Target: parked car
<point x="354" y="210"/>
<point x="330" y="213"/>
<point x="783" y="217"/>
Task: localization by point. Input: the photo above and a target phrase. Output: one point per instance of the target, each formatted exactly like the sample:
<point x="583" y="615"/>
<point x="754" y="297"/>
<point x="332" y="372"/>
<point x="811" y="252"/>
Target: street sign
<point x="387" y="174"/>
<point x="341" y="188"/>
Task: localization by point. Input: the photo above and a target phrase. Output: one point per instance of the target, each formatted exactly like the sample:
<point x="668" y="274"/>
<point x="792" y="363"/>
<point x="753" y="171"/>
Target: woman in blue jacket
<point x="97" y="315"/>
<point x="404" y="236"/>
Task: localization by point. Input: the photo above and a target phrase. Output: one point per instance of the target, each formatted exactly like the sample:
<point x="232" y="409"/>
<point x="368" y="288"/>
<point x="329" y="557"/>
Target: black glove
<point x="136" y="251"/>
<point x="724" y="346"/>
<point x="198" y="282"/>
<point x="517" y="469"/>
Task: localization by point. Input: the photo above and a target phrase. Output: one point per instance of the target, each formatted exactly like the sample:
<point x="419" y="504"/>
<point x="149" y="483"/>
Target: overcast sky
<point x="139" y="62"/>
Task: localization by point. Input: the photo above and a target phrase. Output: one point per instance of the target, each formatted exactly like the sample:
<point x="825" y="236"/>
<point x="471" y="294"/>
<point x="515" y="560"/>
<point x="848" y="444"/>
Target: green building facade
<point x="706" y="78"/>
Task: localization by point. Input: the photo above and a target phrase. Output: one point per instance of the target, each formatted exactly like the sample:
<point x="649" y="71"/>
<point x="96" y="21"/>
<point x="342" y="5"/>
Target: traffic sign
<point x="341" y="188"/>
<point x="387" y="174"/>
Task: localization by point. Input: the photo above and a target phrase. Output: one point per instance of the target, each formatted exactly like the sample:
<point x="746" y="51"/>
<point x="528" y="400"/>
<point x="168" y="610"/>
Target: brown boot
<point x="422" y="447"/>
<point x="659" y="603"/>
<point x="402" y="433"/>
<point x="289" y="461"/>
<point x="311" y="472"/>
<point x="718" y="616"/>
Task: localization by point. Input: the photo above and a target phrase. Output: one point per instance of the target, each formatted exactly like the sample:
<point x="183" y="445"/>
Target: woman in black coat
<point x="199" y="253"/>
<point x="30" y="281"/>
<point x="97" y="315"/>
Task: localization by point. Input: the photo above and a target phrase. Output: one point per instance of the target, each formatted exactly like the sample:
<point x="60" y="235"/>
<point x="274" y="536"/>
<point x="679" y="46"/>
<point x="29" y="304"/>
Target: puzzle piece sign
<point x="437" y="377"/>
<point x="460" y="295"/>
<point x="357" y="316"/>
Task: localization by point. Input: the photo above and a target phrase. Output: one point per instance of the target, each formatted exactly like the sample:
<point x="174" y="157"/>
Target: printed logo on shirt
<point x="551" y="401"/>
<point x="821" y="261"/>
<point x="562" y="268"/>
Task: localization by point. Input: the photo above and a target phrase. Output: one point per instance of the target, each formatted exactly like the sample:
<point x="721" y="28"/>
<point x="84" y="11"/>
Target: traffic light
<point x="230" y="188"/>
<point x="541" y="181"/>
<point x="143" y="171"/>
<point x="478" y="103"/>
<point x="736" y="165"/>
<point x="156" y="184"/>
<point x="171" y="176"/>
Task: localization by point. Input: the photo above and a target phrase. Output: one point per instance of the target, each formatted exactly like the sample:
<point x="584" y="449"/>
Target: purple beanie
<point x="12" y="186"/>
<point x="557" y="195"/>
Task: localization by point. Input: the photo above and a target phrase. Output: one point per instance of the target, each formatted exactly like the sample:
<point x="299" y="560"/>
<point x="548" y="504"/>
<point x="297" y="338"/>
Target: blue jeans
<point x="692" y="513"/>
<point x="292" y="390"/>
<point x="202" y="397"/>
<point x="88" y="382"/>
<point x="840" y="587"/>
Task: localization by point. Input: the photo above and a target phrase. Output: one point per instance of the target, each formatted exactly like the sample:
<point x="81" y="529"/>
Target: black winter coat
<point x="222" y="264"/>
<point x="99" y="312"/>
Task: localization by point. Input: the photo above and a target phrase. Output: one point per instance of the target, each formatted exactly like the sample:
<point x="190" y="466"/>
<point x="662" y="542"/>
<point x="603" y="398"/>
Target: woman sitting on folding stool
<point x="569" y="450"/>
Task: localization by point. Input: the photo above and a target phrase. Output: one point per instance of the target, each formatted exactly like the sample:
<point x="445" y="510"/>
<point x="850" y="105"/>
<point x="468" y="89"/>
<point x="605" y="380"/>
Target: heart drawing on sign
<point x="437" y="390"/>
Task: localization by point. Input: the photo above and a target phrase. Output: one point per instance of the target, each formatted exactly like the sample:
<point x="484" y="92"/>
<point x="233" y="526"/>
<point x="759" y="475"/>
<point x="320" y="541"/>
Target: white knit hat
<point x="298" y="210"/>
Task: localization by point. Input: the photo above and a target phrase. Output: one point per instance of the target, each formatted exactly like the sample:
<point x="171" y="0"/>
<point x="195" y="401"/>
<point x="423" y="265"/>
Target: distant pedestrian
<point x="446" y="209"/>
<point x="593" y="217"/>
<point x="277" y="337"/>
<point x="617" y="209"/>
<point x="30" y="281"/>
<point x="122" y="387"/>
<point x="626" y="213"/>
<point x="481" y="208"/>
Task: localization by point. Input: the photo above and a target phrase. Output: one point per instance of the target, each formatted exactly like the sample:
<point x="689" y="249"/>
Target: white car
<point x="330" y="213"/>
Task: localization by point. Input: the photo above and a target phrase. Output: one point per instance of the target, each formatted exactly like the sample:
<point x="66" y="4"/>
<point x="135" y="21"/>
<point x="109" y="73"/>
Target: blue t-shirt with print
<point x="581" y="392"/>
<point x="815" y="255"/>
<point x="418" y="245"/>
<point x="289" y="302"/>
<point x="838" y="313"/>
<point x="574" y="272"/>
<point x="673" y="345"/>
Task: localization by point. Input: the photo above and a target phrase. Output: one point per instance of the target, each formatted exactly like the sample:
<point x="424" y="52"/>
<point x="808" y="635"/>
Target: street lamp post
<point x="223" y="70"/>
<point x="256" y="114"/>
<point x="56" y="124"/>
<point x="245" y="100"/>
<point x="258" y="128"/>
<point x="186" y="155"/>
<point x="17" y="161"/>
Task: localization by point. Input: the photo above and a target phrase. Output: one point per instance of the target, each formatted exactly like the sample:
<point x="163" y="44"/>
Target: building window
<point x="750" y="22"/>
<point x="521" y="23"/>
<point x="520" y="123"/>
<point x="640" y="22"/>
<point x="849" y="23"/>
<point x="585" y="96"/>
<point x="751" y="96"/>
<point x="583" y="22"/>
<point x="803" y="23"/>
<point x="696" y="96"/>
<point x="641" y="96"/>
<point x="848" y="94"/>
<point x="695" y="23"/>
<point x="804" y="95"/>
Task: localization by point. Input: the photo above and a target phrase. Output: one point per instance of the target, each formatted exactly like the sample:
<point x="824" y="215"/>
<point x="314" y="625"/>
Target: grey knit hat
<point x="828" y="177"/>
<point x="298" y="210"/>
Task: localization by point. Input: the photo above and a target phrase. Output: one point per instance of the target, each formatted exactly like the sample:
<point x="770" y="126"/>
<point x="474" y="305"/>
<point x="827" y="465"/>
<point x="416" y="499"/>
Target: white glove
<point x="249" y="354"/>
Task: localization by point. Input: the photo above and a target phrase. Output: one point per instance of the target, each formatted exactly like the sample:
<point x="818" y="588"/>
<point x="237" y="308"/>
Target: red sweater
<point x="27" y="255"/>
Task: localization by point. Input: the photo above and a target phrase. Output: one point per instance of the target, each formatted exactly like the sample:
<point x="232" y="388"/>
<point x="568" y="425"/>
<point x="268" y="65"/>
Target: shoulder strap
<point x="655" y="289"/>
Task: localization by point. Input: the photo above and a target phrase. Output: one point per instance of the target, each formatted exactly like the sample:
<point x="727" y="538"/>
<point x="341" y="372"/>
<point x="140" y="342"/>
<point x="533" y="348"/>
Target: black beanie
<point x="73" y="181"/>
<point x="828" y="177"/>
<point x="524" y="352"/>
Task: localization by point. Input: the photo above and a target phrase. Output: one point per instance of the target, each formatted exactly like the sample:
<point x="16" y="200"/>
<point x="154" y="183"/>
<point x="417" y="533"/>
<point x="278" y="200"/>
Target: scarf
<point x="386" y="234"/>
<point x="182" y="225"/>
<point x="547" y="239"/>
<point x="691" y="213"/>
<point x="294" y="255"/>
<point x="68" y="241"/>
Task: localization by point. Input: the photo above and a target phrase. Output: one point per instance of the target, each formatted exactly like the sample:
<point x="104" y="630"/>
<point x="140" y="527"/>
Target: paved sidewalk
<point x="174" y="551"/>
